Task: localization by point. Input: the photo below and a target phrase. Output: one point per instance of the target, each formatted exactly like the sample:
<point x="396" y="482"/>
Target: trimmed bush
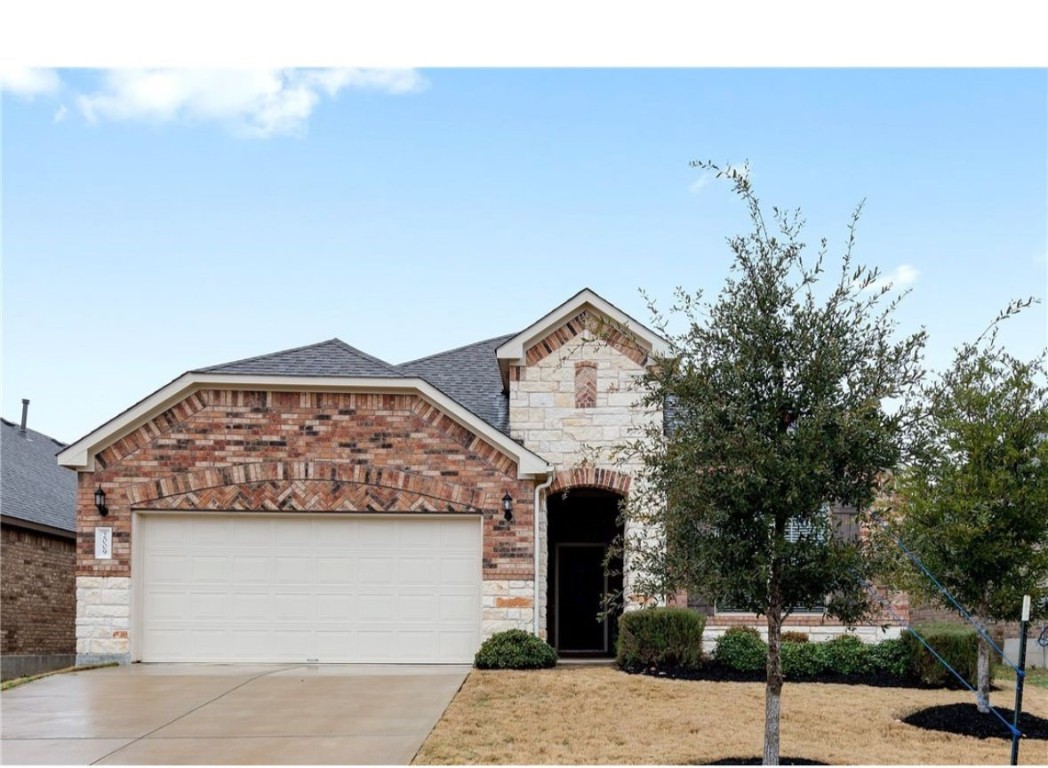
<point x="889" y="657"/>
<point x="515" y="649"/>
<point x="794" y="637"/>
<point x="957" y="644"/>
<point x="660" y="637"/>
<point x="844" y="655"/>
<point x="802" y="660"/>
<point x="741" y="649"/>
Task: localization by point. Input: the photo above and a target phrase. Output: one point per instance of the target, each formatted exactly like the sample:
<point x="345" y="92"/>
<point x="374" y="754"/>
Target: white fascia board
<point x="80" y="455"/>
<point x="513" y="350"/>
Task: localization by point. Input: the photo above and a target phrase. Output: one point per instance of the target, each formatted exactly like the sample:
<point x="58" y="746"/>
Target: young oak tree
<point x="973" y="506"/>
<point x="775" y="395"/>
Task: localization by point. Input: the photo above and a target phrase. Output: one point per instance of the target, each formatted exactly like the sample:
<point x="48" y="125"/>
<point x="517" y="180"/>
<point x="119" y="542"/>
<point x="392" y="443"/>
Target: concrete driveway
<point x="227" y="714"/>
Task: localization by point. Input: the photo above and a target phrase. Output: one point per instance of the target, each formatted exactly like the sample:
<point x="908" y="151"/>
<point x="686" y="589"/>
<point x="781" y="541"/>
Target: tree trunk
<point x="773" y="690"/>
<point x="982" y="688"/>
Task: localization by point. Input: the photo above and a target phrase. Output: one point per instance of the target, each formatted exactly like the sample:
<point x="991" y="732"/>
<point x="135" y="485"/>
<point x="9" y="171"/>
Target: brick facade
<point x="304" y="452"/>
<point x="39" y="594"/>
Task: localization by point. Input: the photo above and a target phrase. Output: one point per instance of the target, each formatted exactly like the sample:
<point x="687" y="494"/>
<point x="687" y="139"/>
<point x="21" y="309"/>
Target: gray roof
<point x="469" y="375"/>
<point x="32" y="485"/>
<point x="333" y="357"/>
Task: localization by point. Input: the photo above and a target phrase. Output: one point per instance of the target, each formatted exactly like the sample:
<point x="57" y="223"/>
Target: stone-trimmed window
<point x="585" y="384"/>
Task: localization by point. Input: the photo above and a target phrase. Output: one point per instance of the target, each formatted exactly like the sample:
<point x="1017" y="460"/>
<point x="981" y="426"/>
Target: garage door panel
<point x="294" y="607"/>
<point x="247" y="533"/>
<point x="334" y="571"/>
<point x="209" y="605"/>
<point x="168" y="568"/>
<point x="309" y="588"/>
<point x="418" y="571"/>
<point x="457" y="571"/>
<point x="457" y="608"/>
<point x="336" y="607"/>
<point x="210" y="569"/>
<point x="169" y="604"/>
<point x="252" y="569"/>
<point x="210" y="532"/>
<point x="294" y="570"/>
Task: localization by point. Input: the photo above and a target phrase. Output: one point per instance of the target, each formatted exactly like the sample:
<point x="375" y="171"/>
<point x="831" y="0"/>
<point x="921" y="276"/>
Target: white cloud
<point x="256" y="103"/>
<point x="699" y="183"/>
<point x="29" y="82"/>
<point x="902" y="276"/>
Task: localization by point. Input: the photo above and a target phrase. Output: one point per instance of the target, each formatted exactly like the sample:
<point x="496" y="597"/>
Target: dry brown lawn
<point x="599" y="715"/>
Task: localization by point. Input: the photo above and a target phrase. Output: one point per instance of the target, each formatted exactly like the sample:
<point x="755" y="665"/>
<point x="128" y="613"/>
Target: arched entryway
<point x="583" y="523"/>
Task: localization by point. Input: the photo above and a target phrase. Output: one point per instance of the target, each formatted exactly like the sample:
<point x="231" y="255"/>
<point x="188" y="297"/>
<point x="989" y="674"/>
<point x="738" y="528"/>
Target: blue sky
<point x="156" y="222"/>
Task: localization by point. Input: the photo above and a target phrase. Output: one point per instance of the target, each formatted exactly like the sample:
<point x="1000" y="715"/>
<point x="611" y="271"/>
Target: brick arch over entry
<point x="307" y="486"/>
<point x="592" y="477"/>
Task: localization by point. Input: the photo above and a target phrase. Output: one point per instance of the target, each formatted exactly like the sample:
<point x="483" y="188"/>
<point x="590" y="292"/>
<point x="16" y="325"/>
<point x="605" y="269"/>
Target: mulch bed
<point x="966" y="720"/>
<point x="713" y="673"/>
<point x="760" y="761"/>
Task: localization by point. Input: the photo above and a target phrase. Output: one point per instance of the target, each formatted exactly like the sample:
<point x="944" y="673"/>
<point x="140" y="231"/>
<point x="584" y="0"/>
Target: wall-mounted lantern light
<point x="100" y="502"/>
<point x="507" y="507"/>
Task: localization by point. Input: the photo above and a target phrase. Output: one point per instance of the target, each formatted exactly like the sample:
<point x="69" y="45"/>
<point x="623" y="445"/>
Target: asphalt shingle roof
<point x="333" y="357"/>
<point x="32" y="485"/>
<point x="470" y="375"/>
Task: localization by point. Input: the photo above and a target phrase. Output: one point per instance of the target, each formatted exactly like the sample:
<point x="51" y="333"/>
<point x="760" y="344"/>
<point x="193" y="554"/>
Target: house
<point x="37" y="553"/>
<point x="320" y="504"/>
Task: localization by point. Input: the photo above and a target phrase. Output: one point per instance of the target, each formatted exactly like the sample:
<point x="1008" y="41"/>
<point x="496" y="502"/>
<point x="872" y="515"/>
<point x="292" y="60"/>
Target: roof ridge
<point x="35" y="432"/>
<point x="456" y="349"/>
<point x="350" y="348"/>
<point x="252" y="358"/>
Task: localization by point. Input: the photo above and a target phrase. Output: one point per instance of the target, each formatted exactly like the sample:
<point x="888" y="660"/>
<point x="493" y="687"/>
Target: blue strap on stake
<point x="884" y="603"/>
<point x="960" y="608"/>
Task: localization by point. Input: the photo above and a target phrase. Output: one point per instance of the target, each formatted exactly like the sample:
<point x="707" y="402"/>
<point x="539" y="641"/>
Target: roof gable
<point x="333" y="357"/>
<point x="81" y="454"/>
<point x="33" y="487"/>
<point x="583" y="304"/>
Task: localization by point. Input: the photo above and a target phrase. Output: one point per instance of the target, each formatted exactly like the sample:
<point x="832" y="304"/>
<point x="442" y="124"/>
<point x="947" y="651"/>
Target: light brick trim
<point x="306" y="486"/>
<point x="586" y="321"/>
<point x="592" y="477"/>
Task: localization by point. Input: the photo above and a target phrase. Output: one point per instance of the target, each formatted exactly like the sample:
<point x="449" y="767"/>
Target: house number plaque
<point x="103" y="543"/>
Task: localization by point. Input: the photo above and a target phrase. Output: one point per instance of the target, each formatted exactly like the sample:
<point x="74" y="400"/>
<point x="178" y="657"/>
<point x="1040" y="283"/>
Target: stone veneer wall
<point x="298" y="452"/>
<point x="549" y="414"/>
<point x="103" y="617"/>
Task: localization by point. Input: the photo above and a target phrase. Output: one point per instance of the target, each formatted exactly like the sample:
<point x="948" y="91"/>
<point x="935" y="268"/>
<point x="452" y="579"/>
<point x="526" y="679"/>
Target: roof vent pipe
<point x="25" y="413"/>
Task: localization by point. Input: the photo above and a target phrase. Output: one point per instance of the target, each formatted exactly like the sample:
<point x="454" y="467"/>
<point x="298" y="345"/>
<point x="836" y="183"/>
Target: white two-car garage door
<point x="305" y="588"/>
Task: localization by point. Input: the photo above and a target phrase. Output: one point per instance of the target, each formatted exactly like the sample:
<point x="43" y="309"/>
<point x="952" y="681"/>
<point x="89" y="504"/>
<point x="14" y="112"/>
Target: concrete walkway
<point x="227" y="714"/>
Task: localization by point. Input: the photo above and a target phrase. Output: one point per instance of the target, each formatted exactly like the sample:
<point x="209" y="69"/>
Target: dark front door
<point x="580" y="589"/>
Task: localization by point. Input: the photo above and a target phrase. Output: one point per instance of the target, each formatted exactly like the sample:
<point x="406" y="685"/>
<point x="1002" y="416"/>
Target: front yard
<point x="599" y="715"/>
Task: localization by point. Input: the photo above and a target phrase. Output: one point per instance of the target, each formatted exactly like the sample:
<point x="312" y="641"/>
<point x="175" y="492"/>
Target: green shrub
<point x="515" y="649"/>
<point x="957" y="644"/>
<point x="802" y="660"/>
<point x="741" y="649"/>
<point x="660" y="637"/>
<point x="844" y="655"/>
<point x="794" y="637"/>
<point x="889" y="657"/>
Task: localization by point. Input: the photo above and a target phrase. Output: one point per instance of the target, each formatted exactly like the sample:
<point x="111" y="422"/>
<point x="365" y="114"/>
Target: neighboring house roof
<point x="333" y="357"/>
<point x="470" y="375"/>
<point x="33" y="488"/>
